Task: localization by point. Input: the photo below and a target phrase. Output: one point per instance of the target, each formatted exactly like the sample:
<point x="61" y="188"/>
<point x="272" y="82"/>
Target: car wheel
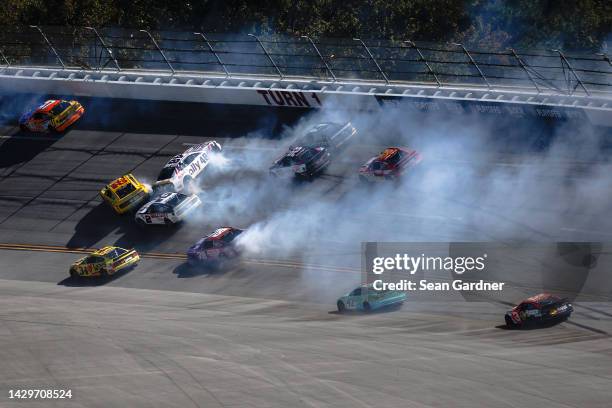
<point x="341" y="307"/>
<point x="167" y="222"/>
<point x="74" y="274"/>
<point x="104" y="273"/>
<point x="366" y="306"/>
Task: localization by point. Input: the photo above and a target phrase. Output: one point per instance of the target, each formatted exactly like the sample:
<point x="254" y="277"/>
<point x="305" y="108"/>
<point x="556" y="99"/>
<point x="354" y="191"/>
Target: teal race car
<point x="366" y="298"/>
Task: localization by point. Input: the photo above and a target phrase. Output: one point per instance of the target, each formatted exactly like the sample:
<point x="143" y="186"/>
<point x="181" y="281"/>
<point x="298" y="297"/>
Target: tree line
<point x="569" y="24"/>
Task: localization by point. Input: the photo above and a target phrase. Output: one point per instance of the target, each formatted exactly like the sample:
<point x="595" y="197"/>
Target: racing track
<point x="263" y="332"/>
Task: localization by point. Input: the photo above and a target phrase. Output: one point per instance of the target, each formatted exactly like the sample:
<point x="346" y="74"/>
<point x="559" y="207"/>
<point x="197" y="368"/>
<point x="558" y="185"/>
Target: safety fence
<point x="234" y="55"/>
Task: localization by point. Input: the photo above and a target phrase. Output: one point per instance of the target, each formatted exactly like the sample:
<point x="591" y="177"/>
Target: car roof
<point x="126" y="177"/>
<point x="540" y="298"/>
<point x="324" y="125"/>
<point x="105" y="250"/>
<point x="48" y="105"/>
<point x="388" y="153"/>
<point x="197" y="148"/>
<point x="175" y="160"/>
<point x="299" y="151"/>
<point x="219" y="233"/>
<point x="165" y="197"/>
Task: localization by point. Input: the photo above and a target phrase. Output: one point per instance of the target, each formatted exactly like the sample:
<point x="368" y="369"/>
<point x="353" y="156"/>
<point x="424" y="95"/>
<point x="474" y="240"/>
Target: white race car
<point x="180" y="172"/>
<point x="167" y="208"/>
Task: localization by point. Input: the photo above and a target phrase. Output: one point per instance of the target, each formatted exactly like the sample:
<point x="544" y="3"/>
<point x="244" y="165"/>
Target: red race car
<point x="390" y="164"/>
<point x="216" y="247"/>
<point x="538" y="309"/>
<point x="54" y="115"/>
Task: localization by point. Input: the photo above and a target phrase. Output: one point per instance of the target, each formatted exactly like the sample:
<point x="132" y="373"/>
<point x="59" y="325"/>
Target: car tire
<point x="167" y="222"/>
<point x="74" y="274"/>
<point x="341" y="307"/>
<point x="104" y="274"/>
<point x="366" y="306"/>
<point x="509" y="323"/>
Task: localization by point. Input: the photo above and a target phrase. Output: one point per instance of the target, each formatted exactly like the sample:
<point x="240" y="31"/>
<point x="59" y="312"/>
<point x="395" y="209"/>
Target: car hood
<point x="195" y="248"/>
<point x="145" y="207"/>
<point x="79" y="262"/>
<point x="366" y="165"/>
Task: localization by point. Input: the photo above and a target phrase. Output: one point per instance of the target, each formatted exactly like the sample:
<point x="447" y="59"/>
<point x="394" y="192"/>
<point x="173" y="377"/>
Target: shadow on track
<point x="95" y="225"/>
<point x="186" y="270"/>
<point x="101" y="221"/>
<point x="531" y="326"/>
<point x="93" y="281"/>
<point x="22" y="147"/>
<point x="144" y="239"/>
<point x="382" y="310"/>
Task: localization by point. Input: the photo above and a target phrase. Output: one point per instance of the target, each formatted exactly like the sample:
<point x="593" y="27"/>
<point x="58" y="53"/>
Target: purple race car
<point x="216" y="247"/>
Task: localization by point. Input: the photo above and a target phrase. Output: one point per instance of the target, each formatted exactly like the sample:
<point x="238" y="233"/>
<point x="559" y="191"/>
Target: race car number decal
<point x="194" y="168"/>
<point x="118" y="183"/>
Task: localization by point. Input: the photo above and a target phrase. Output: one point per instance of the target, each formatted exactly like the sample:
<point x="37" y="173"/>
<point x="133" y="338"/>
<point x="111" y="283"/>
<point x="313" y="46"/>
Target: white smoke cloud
<point x="480" y="179"/>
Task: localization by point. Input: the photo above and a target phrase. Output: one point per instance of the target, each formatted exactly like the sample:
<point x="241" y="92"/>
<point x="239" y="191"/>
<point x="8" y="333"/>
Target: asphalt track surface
<point x="262" y="332"/>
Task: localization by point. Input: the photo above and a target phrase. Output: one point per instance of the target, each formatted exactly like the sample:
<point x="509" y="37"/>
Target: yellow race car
<point x="125" y="193"/>
<point x="104" y="262"/>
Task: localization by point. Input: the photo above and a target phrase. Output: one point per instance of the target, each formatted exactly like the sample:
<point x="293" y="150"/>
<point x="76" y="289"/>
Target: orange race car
<point x="390" y="164"/>
<point x="54" y="115"/>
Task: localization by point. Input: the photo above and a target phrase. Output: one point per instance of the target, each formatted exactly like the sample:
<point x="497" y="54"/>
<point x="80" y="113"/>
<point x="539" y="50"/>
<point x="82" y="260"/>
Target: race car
<point x="390" y="164"/>
<point x="125" y="193"/>
<point x="167" y="209"/>
<point x="218" y="246"/>
<point x="104" y="262"/>
<point x="538" y="309"/>
<point x="366" y="298"/>
<point x="312" y="152"/>
<point x="302" y="162"/>
<point x="330" y="135"/>
<point x="181" y="171"/>
<point x="54" y="115"/>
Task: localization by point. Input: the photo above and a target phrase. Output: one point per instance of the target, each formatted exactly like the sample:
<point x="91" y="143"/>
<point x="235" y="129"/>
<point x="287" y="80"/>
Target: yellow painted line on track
<point x="171" y="256"/>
